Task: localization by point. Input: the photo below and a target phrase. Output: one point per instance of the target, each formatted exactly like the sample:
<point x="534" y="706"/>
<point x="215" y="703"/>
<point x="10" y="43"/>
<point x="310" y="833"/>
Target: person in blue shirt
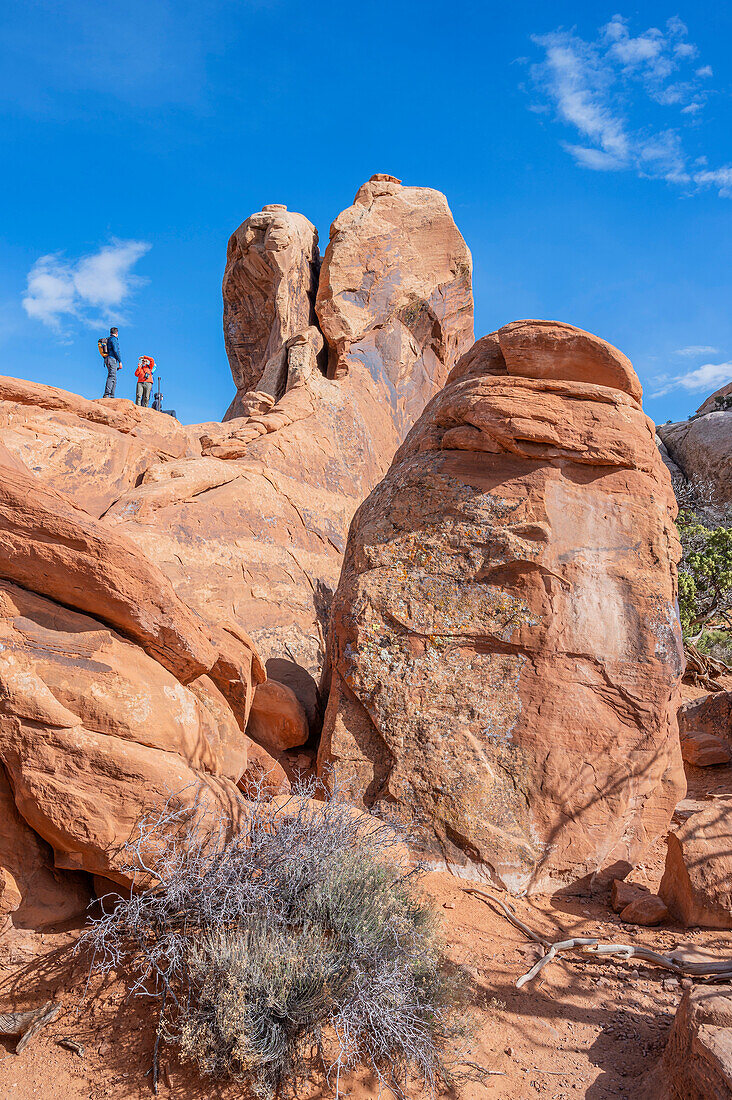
<point x="112" y="361"/>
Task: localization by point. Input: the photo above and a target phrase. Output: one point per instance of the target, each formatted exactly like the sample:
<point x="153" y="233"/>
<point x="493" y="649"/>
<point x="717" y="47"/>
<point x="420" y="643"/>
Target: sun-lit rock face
<point x="506" y="651"/>
<point x="249" y="518"/>
<point x="269" y="288"/>
<point x="115" y="698"/>
<point x="137" y="554"/>
<point x="395" y="293"/>
<point x="702" y="446"/>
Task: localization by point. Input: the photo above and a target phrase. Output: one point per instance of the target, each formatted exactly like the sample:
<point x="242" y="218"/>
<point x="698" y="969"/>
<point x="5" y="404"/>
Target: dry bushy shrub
<point x="302" y="946"/>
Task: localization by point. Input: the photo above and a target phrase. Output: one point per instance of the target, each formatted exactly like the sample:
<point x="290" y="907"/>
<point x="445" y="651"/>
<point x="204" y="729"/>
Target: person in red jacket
<point x="144" y="375"/>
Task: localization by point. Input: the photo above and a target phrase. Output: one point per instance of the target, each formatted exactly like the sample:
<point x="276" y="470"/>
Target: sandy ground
<point x="583" y="1029"/>
<point x="588" y="1029"/>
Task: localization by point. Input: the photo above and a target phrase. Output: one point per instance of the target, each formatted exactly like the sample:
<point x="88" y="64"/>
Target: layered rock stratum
<point x="506" y="650"/>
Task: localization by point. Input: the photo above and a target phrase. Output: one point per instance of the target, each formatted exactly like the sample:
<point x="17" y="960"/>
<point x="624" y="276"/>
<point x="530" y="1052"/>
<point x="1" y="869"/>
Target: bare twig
<point x="71" y="1044"/>
<point x="718" y="969"/>
<point x="561" y="945"/>
<point x="28" y="1024"/>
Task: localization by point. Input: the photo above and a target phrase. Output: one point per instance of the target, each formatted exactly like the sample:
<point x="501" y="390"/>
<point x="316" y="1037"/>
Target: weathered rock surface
<point x="622" y="893"/>
<point x="85" y="792"/>
<point x="697" y="1061"/>
<point x="33" y="894"/>
<point x="114" y="697"/>
<point x="553" y="350"/>
<point x="702" y="446"/>
<point x="94" y="732"/>
<point x="697" y="880"/>
<point x="93" y="450"/>
<point x="506" y="652"/>
<point x="704" y="749"/>
<point x="710" y="714"/>
<point x="50" y="545"/>
<point x="395" y="293"/>
<point x="63" y="669"/>
<point x="269" y="288"/>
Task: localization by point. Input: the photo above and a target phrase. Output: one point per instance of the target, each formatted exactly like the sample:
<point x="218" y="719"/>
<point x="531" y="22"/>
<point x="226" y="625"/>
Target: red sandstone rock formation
<point x="249" y="519"/>
<point x="697" y="880"/>
<point x="702" y="446"/>
<point x="269" y="288"/>
<point x="395" y="293"/>
<point x="107" y="714"/>
<point x="697" y="1061"/>
<point x="112" y="710"/>
<point x="506" y="651"/>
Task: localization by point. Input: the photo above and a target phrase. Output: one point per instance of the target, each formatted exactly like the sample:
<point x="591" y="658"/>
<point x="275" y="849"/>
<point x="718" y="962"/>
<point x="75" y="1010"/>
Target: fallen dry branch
<point x="703" y="670"/>
<point x="27" y="1024"/>
<point x="720" y="970"/>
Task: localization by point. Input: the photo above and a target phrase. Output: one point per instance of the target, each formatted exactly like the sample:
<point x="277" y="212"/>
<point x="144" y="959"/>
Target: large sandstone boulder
<point x="697" y="880"/>
<point x="697" y="1061"/>
<point x="269" y="288"/>
<point x="506" y="651"/>
<point x="142" y="551"/>
<point x="702" y="446"/>
<point x="95" y="734"/>
<point x="395" y="293"/>
<point x="116" y="700"/>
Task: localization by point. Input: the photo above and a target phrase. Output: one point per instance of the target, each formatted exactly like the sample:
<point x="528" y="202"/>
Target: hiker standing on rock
<point x="144" y="374"/>
<point x="110" y="350"/>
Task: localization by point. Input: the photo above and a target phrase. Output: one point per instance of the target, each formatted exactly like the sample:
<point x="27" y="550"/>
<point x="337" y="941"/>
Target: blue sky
<point x="584" y="150"/>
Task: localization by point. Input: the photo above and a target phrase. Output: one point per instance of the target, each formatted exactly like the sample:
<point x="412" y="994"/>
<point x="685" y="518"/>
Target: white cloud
<point x="721" y="178"/>
<point x="578" y="86"/>
<point x="706" y="378"/>
<point x="50" y="291"/>
<point x="696" y="349"/>
<point x="610" y="89"/>
<point x="596" y="159"/>
<point x="91" y="289"/>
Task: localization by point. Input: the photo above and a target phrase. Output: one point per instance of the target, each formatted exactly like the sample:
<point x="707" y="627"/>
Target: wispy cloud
<point x="707" y="378"/>
<point x="608" y="89"/>
<point x="91" y="289"/>
<point x="696" y="349"/>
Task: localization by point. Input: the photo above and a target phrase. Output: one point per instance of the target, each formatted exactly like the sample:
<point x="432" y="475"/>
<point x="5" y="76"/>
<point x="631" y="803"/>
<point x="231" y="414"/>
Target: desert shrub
<point x="300" y="946"/>
<point x="717" y="644"/>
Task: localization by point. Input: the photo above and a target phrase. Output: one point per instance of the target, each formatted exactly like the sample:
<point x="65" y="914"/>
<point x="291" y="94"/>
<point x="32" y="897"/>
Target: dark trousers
<point x="112" y="365"/>
<point x="142" y="396"/>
